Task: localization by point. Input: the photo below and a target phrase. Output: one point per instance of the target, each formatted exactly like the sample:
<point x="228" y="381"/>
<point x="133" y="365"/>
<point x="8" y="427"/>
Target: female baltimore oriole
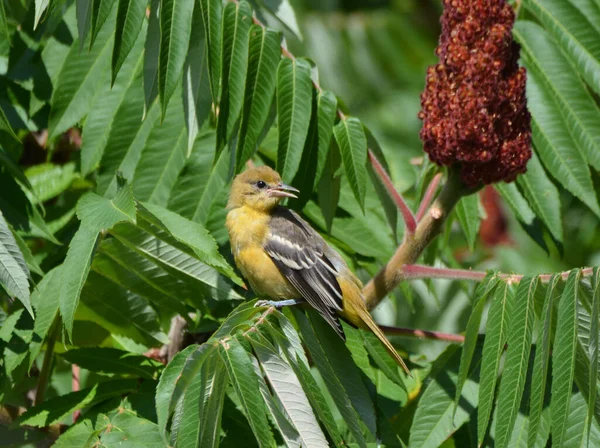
<point x="285" y="259"/>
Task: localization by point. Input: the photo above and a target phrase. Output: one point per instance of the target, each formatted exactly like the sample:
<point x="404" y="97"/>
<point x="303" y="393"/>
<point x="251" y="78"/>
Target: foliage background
<point x="137" y="100"/>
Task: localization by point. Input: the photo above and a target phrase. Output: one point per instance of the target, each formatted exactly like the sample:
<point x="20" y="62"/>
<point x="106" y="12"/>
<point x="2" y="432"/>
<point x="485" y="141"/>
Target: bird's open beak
<point x="283" y="191"/>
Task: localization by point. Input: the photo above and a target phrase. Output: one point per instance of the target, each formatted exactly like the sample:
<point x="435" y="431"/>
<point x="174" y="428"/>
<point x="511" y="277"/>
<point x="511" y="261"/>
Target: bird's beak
<point x="283" y="191"/>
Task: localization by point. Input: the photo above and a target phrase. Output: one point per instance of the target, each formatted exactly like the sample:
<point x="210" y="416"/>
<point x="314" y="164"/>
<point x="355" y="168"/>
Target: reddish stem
<point x="75" y="385"/>
<point x="423" y="334"/>
<point x="429" y="195"/>
<point x="407" y="215"/>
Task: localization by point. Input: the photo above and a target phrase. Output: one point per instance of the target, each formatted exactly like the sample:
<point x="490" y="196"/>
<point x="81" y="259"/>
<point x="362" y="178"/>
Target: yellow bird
<point x="286" y="260"/>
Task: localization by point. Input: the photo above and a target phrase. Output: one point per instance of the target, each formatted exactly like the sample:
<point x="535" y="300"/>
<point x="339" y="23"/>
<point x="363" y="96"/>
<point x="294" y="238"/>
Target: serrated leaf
<point x="515" y="200"/>
<point x="352" y="141"/>
<point x="284" y="12"/>
<point x="332" y="381"/>
<point x="79" y="81"/>
<point x="127" y="429"/>
<point x="542" y="196"/>
<point x="196" y="87"/>
<point x="54" y="409"/>
<point x="112" y="360"/>
<point x="176" y="379"/>
<point x="467" y="211"/>
<point x="84" y="20"/>
<point x="175" y="30"/>
<point x="100" y="214"/>
<point x="563" y="357"/>
<point x="551" y="135"/>
<point x="294" y="95"/>
<point x="263" y="57"/>
<point x="472" y="331"/>
<point x="163" y="157"/>
<point x="316" y="147"/>
<point x="495" y="339"/>
<point x="40" y="8"/>
<point x="286" y="386"/>
<point x="100" y="12"/>
<point x="6" y="127"/>
<point x="106" y="110"/>
<point x="515" y="368"/>
<point x="574" y="24"/>
<point x="191" y="234"/>
<point x="435" y="419"/>
<point x="237" y="18"/>
<point x="540" y="363"/>
<point x="151" y="53"/>
<point x="382" y="358"/>
<point x="329" y="186"/>
<point x="130" y="17"/>
<point x="245" y="383"/>
<point x="81" y="435"/>
<point x="14" y="274"/>
<point x="593" y="346"/>
<point x="580" y="432"/>
<point x="576" y="106"/>
<point x="4" y="22"/>
<point x="211" y="16"/>
<point x="48" y="180"/>
<point x="120" y="312"/>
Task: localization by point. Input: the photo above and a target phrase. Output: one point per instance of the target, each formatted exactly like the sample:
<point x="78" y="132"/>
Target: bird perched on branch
<point x="284" y="259"/>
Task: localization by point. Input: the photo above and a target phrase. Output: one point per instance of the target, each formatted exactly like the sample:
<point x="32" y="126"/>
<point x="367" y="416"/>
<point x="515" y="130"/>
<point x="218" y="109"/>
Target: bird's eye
<point x="261" y="184"/>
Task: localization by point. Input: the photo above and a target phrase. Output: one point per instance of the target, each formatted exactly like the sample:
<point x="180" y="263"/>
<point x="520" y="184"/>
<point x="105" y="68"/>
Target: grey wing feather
<point x="298" y="252"/>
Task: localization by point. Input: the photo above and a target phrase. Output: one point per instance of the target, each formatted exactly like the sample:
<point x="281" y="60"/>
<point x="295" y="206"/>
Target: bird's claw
<point x="264" y="303"/>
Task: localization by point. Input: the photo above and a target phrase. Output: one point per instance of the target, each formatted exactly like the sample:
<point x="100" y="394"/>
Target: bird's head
<point x="259" y="188"/>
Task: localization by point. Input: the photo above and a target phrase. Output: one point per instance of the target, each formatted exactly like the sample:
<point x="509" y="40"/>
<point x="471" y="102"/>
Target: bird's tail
<point x="368" y="320"/>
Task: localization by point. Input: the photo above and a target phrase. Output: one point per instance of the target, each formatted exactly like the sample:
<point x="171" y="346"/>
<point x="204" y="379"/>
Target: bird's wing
<point x="297" y="251"/>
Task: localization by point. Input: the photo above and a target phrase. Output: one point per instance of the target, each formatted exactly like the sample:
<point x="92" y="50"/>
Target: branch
<point x="417" y="271"/>
<point x="413" y="245"/>
<point x="423" y="334"/>
<point x="429" y="194"/>
<point x="407" y="215"/>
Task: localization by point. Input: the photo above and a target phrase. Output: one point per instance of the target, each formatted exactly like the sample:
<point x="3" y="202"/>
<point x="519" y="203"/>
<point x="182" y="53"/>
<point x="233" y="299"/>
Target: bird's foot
<point x="277" y="304"/>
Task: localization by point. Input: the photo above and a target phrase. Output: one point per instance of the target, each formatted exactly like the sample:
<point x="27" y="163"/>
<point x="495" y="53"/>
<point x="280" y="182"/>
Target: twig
<point x="407" y="214"/>
<point x="429" y="195"/>
<point x="47" y="362"/>
<point x="423" y="334"/>
<point x="75" y="386"/>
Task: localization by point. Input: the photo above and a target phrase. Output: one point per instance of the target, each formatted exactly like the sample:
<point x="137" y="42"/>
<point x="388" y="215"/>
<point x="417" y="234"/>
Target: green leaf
<point x="84" y="20"/>
<point x="211" y="16"/>
<point x="329" y="186"/>
<point x="284" y="13"/>
<point x="563" y="357"/>
<point x="193" y="235"/>
<point x="13" y="168"/>
<point x="44" y="299"/>
<point x="79" y="80"/>
<point x="332" y="380"/>
<point x="286" y="386"/>
<point x="40" y="8"/>
<point x="515" y="200"/>
<point x="352" y="141"/>
<point x="542" y="196"/>
<point x="200" y="183"/>
<point x="112" y="360"/>
<point x="574" y="25"/>
<point x="593" y="346"/>
<point x="381" y="357"/>
<point x="4" y="22"/>
<point x="100" y="214"/>
<point x="30" y="260"/>
<point x="580" y="432"/>
<point x="196" y="87"/>
<point x="100" y="12"/>
<point x="264" y="55"/>
<point x="48" y="180"/>
<point x="162" y="158"/>
<point x="467" y="211"/>
<point x="486" y="287"/>
<point x="237" y="18"/>
<point x="81" y="435"/>
<point x="127" y="429"/>
<point x="6" y="127"/>
<point x="176" y="379"/>
<point x="105" y="113"/>
<point x="151" y="53"/>
<point x="14" y="273"/>
<point x="55" y="409"/>
<point x="130" y="16"/>
<point x="495" y="339"/>
<point x="316" y="146"/>
<point x="540" y="363"/>
<point x="551" y="135"/>
<point x="294" y="94"/>
<point x="120" y="312"/>
<point x="245" y="383"/>
<point x="139" y="275"/>
<point x="515" y="368"/>
<point x="175" y="30"/>
<point x="576" y="106"/>
<point x="435" y="419"/>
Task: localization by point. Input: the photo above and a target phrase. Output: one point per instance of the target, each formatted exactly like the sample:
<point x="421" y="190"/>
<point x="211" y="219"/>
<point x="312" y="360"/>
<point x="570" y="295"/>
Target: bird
<point x="286" y="261"/>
